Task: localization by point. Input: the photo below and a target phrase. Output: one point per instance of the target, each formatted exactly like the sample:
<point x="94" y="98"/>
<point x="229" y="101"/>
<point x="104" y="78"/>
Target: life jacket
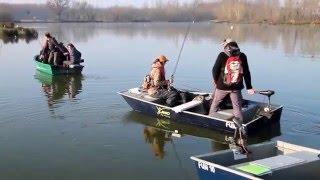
<point x="233" y="71"/>
<point x="148" y="80"/>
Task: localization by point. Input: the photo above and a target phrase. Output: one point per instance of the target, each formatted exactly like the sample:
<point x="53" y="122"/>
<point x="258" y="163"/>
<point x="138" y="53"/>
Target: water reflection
<point x="13" y="39"/>
<point x="157" y="139"/>
<point x="59" y="87"/>
<point x="293" y="40"/>
<point x="157" y="132"/>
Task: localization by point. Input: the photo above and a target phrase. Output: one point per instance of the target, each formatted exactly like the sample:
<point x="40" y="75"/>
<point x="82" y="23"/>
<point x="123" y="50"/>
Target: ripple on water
<point x="301" y="121"/>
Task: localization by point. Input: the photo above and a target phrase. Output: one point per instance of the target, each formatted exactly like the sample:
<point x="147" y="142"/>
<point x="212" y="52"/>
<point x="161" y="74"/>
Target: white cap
<point x="227" y="41"/>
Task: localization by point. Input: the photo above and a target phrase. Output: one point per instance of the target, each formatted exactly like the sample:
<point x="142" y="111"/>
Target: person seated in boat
<point x="61" y="57"/>
<point x="158" y="86"/>
<point x="54" y="49"/>
<point x="228" y="72"/>
<point x="74" y="56"/>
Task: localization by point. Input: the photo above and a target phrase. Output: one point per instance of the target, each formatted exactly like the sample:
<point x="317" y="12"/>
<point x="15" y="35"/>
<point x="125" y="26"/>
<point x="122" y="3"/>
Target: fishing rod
<point x="185" y="37"/>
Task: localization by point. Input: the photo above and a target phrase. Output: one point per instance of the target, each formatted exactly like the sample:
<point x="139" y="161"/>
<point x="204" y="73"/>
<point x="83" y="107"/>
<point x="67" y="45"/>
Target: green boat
<point x="57" y="69"/>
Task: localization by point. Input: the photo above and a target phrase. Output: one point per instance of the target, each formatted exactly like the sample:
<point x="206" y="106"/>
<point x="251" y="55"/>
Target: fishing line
<point x="227" y="36"/>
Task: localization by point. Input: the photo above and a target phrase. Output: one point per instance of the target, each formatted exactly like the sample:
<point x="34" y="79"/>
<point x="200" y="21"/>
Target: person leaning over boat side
<point x="73" y="55"/>
<point x="44" y="52"/>
<point x="160" y="87"/>
<point x="222" y="89"/>
<point x="54" y="49"/>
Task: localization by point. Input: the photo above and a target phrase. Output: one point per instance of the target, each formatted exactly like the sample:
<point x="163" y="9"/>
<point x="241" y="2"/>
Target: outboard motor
<point x="268" y="93"/>
<point x="267" y="110"/>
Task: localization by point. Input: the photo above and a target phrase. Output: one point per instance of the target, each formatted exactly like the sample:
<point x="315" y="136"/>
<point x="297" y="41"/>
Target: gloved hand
<point x="170" y="81"/>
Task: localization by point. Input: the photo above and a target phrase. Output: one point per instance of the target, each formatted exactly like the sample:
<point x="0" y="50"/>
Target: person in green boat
<point x="44" y="52"/>
<point x="74" y="56"/>
<point x="55" y="50"/>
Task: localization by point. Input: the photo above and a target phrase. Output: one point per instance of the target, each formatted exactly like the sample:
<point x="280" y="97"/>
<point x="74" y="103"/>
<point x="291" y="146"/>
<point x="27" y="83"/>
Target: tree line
<point x="236" y="11"/>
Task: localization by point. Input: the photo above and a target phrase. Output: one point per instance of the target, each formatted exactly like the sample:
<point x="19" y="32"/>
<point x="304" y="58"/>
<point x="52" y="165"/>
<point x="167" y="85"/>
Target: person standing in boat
<point x="54" y="49"/>
<point x="74" y="56"/>
<point x="159" y="87"/>
<point x="228" y="72"/>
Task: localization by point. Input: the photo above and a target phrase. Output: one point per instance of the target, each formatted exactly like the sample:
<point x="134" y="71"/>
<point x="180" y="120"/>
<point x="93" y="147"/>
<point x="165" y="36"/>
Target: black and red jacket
<point x="218" y="71"/>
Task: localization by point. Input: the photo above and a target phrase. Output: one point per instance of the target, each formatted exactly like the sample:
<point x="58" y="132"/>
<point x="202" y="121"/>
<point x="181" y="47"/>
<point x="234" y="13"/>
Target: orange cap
<point x="162" y="58"/>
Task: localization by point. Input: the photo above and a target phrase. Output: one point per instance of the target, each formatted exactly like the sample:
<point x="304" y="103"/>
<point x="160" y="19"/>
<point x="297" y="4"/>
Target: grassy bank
<point x="9" y="30"/>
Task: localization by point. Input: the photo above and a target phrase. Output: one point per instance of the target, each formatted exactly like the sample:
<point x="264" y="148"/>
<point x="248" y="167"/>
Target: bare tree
<point x="58" y="6"/>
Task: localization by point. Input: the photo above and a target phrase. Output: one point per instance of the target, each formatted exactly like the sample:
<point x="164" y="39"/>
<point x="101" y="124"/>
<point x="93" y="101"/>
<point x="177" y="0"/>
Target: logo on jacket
<point x="163" y="112"/>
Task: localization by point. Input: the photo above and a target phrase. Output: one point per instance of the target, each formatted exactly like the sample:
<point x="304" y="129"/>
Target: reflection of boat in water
<point x="256" y="114"/>
<point x="165" y="128"/>
<point x="268" y="160"/>
<point x="56" y="87"/>
<point x="57" y="69"/>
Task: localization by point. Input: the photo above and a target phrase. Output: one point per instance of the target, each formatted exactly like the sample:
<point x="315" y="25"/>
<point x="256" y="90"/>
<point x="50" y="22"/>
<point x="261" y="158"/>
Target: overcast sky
<point x="101" y="3"/>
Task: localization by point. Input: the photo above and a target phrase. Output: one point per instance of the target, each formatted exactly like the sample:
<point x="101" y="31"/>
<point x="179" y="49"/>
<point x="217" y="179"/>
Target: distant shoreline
<point x="146" y="21"/>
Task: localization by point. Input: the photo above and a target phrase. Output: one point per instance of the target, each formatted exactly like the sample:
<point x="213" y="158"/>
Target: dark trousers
<point x="56" y="58"/>
<point x="170" y="96"/>
<point x="236" y="99"/>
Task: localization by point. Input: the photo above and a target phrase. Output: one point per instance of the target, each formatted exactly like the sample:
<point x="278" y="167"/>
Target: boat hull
<point x="158" y="110"/>
<point x="282" y="161"/>
<point x="57" y="69"/>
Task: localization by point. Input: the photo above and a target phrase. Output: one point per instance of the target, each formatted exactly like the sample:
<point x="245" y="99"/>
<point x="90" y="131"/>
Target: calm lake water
<point x="78" y="127"/>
